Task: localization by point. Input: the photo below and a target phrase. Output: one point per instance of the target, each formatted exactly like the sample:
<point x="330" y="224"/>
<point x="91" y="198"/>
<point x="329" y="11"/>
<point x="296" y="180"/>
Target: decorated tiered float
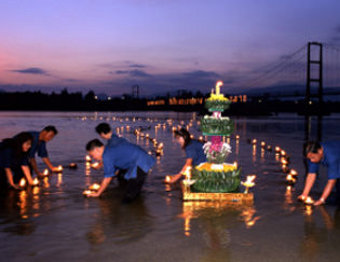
<point x="216" y="179"/>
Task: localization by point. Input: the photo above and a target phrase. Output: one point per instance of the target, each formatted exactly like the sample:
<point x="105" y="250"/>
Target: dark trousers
<point x="134" y="186"/>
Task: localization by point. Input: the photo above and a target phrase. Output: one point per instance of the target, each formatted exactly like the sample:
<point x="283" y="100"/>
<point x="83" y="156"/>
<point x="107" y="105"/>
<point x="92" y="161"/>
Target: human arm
<point x="308" y="186"/>
<point x="105" y="182"/>
<point x="326" y="192"/>
<point x="9" y="176"/>
<point x="34" y="165"/>
<point x="176" y="177"/>
<point x="48" y="163"/>
<point x="27" y="173"/>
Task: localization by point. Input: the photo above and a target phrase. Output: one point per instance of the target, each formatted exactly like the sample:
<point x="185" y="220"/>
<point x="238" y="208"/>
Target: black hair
<point x="93" y="144"/>
<point x="16" y="143"/>
<point x="185" y="134"/>
<point x="51" y="128"/>
<point x="103" y="128"/>
<point x="311" y="147"/>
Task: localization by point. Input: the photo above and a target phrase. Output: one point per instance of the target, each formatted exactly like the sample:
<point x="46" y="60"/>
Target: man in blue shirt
<point x="105" y="132"/>
<point x="39" y="147"/>
<point x="124" y="156"/>
<point x="327" y="154"/>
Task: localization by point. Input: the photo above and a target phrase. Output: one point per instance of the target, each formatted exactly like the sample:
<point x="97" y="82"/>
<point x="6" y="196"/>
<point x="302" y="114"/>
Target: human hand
<point x="321" y="201"/>
<point x="14" y="186"/>
<point x="93" y="194"/>
<point x="302" y="197"/>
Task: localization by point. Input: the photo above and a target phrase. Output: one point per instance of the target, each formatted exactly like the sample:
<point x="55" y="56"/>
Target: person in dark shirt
<point x="39" y="147"/>
<point x="105" y="132"/>
<point x="193" y="150"/>
<point x="124" y="156"/>
<point x="326" y="154"/>
<point x="14" y="159"/>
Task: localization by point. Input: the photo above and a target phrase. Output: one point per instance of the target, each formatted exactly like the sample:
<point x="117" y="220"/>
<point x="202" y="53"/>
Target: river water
<point x="56" y="223"/>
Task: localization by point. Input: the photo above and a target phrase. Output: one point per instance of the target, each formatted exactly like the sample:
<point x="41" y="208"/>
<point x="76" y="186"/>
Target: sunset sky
<point x="162" y="45"/>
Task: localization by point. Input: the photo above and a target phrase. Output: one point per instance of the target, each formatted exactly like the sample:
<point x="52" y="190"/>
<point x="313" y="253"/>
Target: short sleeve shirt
<point x="331" y="160"/>
<point x="37" y="146"/>
<point x="194" y="150"/>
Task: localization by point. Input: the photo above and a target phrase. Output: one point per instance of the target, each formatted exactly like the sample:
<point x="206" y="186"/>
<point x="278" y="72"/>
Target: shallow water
<point x="56" y="223"/>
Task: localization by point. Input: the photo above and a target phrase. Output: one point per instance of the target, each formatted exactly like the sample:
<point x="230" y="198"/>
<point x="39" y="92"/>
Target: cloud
<point x="201" y="74"/>
<point x="31" y="70"/>
<point x="137" y="66"/>
<point x="133" y="73"/>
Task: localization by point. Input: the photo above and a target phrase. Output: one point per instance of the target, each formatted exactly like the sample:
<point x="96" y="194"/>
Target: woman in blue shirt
<point x="193" y="150"/>
<point x="14" y="159"/>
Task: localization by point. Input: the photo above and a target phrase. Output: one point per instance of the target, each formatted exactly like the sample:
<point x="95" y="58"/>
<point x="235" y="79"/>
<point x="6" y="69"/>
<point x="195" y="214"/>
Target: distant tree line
<point x="65" y="101"/>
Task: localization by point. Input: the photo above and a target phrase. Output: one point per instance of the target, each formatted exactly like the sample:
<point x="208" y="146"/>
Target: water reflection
<point x="120" y="223"/>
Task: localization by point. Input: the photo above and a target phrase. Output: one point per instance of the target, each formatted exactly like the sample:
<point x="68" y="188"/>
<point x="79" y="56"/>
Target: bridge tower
<point x="314" y="73"/>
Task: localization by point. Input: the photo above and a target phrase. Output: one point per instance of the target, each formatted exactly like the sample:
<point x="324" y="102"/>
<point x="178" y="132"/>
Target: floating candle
<point x="46" y="172"/>
<point x="94" y="187"/>
<point x="87" y="192"/>
<point x="249" y="183"/>
<point x="309" y="201"/>
<point x="88" y="158"/>
<point x="59" y="168"/>
<point x="35" y="182"/>
<point x="22" y="182"/>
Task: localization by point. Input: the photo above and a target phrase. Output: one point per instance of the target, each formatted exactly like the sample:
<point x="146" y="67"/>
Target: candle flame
<point x="60" y="168"/>
<point x="35" y="181"/>
<point x="87" y="158"/>
<point x="167" y="179"/>
<point x="187" y="173"/>
<point x="94" y="187"/>
<point x="87" y="192"/>
<point x="309" y="201"/>
<point x="45" y="173"/>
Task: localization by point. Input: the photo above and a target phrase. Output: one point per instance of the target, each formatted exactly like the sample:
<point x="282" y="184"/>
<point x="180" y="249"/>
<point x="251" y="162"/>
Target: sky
<point x="161" y="45"/>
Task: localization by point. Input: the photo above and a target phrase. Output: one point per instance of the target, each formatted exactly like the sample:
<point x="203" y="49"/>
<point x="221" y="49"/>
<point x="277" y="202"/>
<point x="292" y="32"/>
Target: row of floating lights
<point x="291" y="177"/>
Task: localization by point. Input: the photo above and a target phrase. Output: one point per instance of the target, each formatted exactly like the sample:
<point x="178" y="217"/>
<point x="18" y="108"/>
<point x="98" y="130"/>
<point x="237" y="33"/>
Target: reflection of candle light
<point x="187" y="226"/>
<point x="309" y="210"/>
<point x="22" y="182"/>
<point x="94" y="187"/>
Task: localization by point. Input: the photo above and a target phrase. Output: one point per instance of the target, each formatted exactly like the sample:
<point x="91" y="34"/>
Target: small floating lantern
<point x="87" y="192"/>
<point x="59" y="168"/>
<point x="35" y="182"/>
<point x="249" y="183"/>
<point x="290" y="179"/>
<point x="293" y="172"/>
<point x="277" y="149"/>
<point x="309" y="201"/>
<point x="263" y="144"/>
<point x="72" y="165"/>
<point x="95" y="165"/>
<point x="46" y="172"/>
<point x="254" y="141"/>
<point x="167" y="179"/>
<point x="94" y="187"/>
<point x="22" y="182"/>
